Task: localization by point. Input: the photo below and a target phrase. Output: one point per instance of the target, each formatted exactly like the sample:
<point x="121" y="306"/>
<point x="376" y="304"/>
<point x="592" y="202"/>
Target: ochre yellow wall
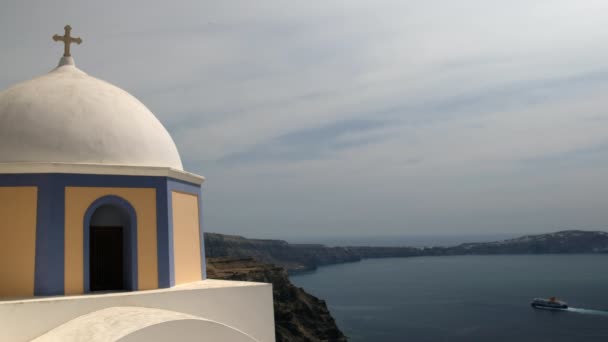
<point x="77" y="201"/>
<point x="186" y="238"/>
<point x="17" y="240"/>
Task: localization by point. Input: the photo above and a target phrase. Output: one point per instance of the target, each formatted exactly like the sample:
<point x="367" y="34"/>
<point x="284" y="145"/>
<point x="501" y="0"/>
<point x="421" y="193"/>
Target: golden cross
<point x="67" y="40"/>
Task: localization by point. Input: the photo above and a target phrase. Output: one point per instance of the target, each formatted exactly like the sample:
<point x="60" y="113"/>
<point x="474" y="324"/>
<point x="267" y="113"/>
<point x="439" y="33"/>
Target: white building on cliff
<point x="101" y="234"/>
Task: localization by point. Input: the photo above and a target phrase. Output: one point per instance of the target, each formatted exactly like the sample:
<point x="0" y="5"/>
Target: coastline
<point x="300" y="316"/>
<point x="297" y="258"/>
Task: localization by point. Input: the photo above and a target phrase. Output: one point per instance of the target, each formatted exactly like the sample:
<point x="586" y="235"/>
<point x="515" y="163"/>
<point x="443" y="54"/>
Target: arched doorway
<point x="110" y="246"/>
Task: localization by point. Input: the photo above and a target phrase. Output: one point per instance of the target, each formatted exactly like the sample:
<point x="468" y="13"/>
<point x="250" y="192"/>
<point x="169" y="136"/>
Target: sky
<point x="318" y="119"/>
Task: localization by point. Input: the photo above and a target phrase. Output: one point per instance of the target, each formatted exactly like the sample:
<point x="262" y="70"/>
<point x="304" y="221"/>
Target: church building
<point x="95" y="204"/>
<point x="93" y="189"/>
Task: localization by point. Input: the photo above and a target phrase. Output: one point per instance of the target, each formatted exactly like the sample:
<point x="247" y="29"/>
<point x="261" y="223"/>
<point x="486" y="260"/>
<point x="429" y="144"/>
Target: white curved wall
<point x="139" y="324"/>
<point x="191" y="330"/>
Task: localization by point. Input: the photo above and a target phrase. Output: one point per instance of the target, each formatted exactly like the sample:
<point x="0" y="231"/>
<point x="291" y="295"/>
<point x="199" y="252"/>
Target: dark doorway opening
<point x="106" y="258"/>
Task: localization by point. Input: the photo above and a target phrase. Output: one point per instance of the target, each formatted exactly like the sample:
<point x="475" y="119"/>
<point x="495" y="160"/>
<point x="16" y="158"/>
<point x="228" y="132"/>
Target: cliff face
<point x="299" y="316"/>
<point x="291" y="256"/>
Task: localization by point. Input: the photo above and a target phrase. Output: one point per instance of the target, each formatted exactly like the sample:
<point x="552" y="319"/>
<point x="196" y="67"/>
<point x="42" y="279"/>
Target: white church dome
<point x="67" y="116"/>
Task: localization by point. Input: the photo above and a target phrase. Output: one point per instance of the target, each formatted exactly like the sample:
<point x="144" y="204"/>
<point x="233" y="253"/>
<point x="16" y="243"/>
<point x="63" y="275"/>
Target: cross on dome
<point x="67" y="39"/>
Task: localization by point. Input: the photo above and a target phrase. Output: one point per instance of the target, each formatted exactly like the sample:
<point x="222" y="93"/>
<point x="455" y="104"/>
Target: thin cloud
<point x="331" y="117"/>
<point x="317" y="143"/>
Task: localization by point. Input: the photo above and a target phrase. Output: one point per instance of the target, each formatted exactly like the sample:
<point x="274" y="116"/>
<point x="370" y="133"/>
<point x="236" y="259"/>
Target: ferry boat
<point x="550" y="304"/>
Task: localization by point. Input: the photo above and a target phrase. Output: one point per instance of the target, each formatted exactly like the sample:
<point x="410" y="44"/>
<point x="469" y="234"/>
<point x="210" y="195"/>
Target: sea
<point x="465" y="298"/>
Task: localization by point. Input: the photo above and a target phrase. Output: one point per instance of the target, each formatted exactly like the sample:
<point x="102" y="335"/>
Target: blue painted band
<point x="49" y="263"/>
<point x="169" y="244"/>
<point x="162" y="237"/>
<point x="89" y="180"/>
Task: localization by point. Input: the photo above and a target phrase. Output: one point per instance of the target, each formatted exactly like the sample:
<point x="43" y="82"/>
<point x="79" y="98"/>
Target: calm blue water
<point x="465" y="298"/>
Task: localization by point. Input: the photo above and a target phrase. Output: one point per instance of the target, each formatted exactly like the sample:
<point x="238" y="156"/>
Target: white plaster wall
<point x="245" y="306"/>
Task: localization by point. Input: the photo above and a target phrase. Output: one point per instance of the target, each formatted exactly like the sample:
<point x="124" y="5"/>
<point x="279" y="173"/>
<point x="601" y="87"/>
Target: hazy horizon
<point x="405" y="239"/>
<point x="357" y="118"/>
<point x="409" y="240"/>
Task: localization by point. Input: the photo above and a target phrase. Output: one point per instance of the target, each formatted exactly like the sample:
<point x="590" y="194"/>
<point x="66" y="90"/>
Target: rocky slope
<point x="297" y="257"/>
<point x="293" y="257"/>
<point x="299" y="316"/>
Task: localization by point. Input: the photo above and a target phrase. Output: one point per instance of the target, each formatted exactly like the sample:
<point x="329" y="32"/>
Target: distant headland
<point x="307" y="257"/>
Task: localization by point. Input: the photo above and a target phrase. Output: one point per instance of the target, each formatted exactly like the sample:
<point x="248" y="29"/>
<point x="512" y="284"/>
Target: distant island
<point x="300" y="316"/>
<point x="307" y="257"/>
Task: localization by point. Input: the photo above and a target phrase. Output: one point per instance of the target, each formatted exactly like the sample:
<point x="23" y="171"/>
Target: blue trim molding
<point x="131" y="242"/>
<point x="170" y="251"/>
<point x="50" y="232"/>
<point x="164" y="249"/>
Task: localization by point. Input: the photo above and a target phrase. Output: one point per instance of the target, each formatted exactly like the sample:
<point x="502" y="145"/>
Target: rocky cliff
<point x="293" y="257"/>
<point x="299" y="316"/>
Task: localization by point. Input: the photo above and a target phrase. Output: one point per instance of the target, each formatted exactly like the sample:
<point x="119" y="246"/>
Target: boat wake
<point x="588" y="311"/>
